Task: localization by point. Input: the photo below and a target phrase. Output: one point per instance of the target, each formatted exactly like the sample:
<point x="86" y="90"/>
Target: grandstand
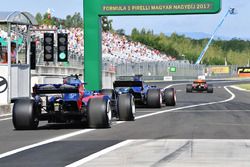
<point x="116" y="49"/>
<point x="119" y="49"/>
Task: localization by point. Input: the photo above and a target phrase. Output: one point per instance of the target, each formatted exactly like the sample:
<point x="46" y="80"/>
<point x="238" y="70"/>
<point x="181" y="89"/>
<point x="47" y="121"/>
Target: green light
<point x="62" y="55"/>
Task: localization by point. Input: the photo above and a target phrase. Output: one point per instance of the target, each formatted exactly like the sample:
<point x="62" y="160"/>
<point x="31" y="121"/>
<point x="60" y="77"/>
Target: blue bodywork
<point x="71" y="96"/>
<point x="136" y="87"/>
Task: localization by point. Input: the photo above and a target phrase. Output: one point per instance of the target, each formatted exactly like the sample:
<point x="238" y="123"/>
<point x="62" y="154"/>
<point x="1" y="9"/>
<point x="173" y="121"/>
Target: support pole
<point x="230" y="11"/>
<point x="9" y="62"/>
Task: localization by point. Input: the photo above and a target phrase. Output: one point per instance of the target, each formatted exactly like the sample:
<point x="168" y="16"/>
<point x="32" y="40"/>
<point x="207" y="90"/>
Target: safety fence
<point x="174" y="70"/>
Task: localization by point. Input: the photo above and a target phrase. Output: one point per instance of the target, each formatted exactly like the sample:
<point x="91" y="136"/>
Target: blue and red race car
<point x="71" y="102"/>
<point x="144" y="94"/>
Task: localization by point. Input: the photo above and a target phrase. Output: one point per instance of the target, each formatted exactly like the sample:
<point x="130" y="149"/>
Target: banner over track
<point x="94" y="9"/>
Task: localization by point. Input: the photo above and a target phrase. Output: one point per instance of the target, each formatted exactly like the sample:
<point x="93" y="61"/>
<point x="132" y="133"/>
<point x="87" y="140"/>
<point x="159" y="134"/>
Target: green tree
<point x="47" y="20"/>
<point x="236" y="51"/>
<point x="39" y="18"/>
<point x="120" y="31"/>
<point x="68" y="22"/>
<point x="76" y="20"/>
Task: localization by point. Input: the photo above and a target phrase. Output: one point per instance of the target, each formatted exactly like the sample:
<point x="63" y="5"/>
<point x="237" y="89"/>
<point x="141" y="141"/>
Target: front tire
<point x="126" y="107"/>
<point x="25" y="114"/>
<point x="99" y="113"/>
<point x="154" y="98"/>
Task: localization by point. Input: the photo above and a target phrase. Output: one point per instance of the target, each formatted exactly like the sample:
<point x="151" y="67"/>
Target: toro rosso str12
<point x="199" y="86"/>
<point x="151" y="96"/>
<point x="70" y="102"/>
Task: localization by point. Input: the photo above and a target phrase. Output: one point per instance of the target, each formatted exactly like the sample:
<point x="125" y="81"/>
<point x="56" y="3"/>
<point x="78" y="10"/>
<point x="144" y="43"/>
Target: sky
<point x="61" y="8"/>
<point x="235" y="26"/>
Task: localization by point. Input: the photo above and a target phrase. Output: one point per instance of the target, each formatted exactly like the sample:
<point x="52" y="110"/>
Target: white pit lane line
<point x="174" y="153"/>
<point x="240" y="89"/>
<point x="99" y="153"/>
<point x="45" y="142"/>
<point x="62" y="137"/>
<point x="4" y="119"/>
<point x="109" y="149"/>
<point x="5" y="115"/>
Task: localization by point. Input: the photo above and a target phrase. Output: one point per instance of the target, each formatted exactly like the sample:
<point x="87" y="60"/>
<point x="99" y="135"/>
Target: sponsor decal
<point x="3" y="84"/>
<point x="243" y="71"/>
<point x="219" y="70"/>
<point x="157" y="7"/>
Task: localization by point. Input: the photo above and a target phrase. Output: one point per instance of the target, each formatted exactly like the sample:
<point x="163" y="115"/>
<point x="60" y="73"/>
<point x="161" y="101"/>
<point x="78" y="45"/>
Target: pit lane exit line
<point x="190" y="106"/>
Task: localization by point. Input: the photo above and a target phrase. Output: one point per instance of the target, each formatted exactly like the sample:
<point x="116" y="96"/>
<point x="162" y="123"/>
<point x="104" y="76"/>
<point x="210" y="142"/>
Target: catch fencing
<point x="176" y="70"/>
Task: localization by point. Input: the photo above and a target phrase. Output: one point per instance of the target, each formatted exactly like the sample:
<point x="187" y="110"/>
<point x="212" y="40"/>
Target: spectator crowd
<point x="119" y="49"/>
<point x="115" y="48"/>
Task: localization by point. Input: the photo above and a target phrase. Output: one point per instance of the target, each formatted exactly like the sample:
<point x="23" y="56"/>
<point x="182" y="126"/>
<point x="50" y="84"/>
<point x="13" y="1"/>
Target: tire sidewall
<point x="170" y="96"/>
<point x="126" y="107"/>
<point x="25" y="114"/>
<point x="154" y="98"/>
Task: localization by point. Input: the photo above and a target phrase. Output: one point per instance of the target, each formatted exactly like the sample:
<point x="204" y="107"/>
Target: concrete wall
<point x="107" y="79"/>
<point x="19" y="86"/>
<point x="3" y="95"/>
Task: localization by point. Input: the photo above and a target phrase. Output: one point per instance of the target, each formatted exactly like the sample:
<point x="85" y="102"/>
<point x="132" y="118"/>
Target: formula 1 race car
<point x="199" y="86"/>
<point x="70" y="102"/>
<point x="151" y="96"/>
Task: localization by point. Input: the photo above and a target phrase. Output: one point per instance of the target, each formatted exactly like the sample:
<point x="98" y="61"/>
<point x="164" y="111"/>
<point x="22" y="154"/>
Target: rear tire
<point x="210" y="88"/>
<point x="154" y="98"/>
<point x="170" y="97"/>
<point x="126" y="107"/>
<point x="189" y="88"/>
<point x="99" y="113"/>
<point x="25" y="114"/>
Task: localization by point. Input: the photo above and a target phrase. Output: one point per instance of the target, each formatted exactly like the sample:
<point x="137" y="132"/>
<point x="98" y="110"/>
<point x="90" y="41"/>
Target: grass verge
<point x="244" y="86"/>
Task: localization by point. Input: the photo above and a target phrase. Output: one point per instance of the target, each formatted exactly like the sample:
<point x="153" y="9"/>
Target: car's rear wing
<point x="127" y="84"/>
<point x="55" y="88"/>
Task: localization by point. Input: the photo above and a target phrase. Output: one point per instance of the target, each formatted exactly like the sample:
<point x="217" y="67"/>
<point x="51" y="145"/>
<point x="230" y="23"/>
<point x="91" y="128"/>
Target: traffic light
<point x="48" y="47"/>
<point x="33" y="55"/>
<point x="62" y="52"/>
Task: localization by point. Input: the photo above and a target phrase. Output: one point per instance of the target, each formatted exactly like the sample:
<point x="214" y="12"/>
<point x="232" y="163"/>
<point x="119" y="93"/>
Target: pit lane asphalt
<point x="205" y="122"/>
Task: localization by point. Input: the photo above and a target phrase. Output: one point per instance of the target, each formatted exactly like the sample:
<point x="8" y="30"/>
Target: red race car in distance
<point x="199" y="85"/>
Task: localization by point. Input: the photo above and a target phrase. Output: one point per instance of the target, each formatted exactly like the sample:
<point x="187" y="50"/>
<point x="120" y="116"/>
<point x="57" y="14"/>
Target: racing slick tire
<point x="108" y="92"/>
<point x="189" y="88"/>
<point x="25" y="114"/>
<point x="154" y="98"/>
<point x="210" y="88"/>
<point x="126" y="107"/>
<point x="169" y="97"/>
<point x="99" y="113"/>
